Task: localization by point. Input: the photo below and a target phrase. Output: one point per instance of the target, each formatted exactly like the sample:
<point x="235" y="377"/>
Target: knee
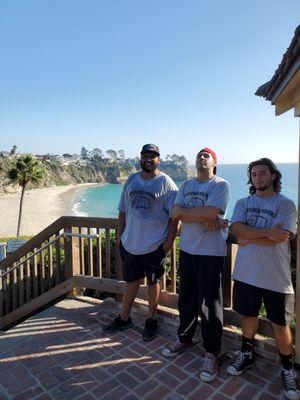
<point x="280" y="328"/>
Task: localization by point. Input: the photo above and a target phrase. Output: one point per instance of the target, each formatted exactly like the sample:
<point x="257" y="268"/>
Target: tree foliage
<point x="97" y="153"/>
<point x="13" y="150"/>
<point x="26" y="170"/>
<point x="112" y="154"/>
<point x="84" y="153"/>
<point x="121" y="154"/>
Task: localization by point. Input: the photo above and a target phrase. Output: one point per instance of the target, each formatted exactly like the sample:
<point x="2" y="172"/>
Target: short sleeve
<point x="239" y="214"/>
<point x="122" y="203"/>
<point x="171" y="192"/>
<point x="286" y="216"/>
<point x="219" y="197"/>
<point x="179" y="199"/>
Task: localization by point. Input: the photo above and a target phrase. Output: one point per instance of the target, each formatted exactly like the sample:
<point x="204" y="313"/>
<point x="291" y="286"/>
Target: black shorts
<point x="247" y="300"/>
<point x="150" y="265"/>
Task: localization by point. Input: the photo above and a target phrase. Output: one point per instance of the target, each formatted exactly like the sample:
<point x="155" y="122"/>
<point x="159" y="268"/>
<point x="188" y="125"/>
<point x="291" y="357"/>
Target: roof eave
<point x="285" y="81"/>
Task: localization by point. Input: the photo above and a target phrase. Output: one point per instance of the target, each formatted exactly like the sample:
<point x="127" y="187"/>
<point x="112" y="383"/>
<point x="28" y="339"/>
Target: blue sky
<point x="121" y="73"/>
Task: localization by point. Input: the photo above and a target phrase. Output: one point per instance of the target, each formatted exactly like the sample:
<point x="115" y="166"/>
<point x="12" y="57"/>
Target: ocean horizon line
<point x="103" y="200"/>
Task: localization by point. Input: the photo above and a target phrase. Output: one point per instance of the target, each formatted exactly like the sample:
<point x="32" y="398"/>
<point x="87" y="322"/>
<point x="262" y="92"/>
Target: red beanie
<point x="210" y="151"/>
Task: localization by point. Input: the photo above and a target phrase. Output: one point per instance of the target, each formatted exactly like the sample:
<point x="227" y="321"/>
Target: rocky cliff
<point x="85" y="171"/>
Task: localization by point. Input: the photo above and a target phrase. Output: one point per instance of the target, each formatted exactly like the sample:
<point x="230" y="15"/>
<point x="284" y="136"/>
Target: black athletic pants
<point x="200" y="292"/>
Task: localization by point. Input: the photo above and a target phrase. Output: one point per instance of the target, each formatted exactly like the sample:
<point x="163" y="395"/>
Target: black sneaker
<point x="289" y="384"/>
<point x="150" y="330"/>
<point x="242" y="361"/>
<point x="118" y="324"/>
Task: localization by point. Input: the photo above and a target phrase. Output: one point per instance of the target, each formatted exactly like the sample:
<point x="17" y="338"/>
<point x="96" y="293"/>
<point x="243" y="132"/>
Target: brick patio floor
<point x="62" y="353"/>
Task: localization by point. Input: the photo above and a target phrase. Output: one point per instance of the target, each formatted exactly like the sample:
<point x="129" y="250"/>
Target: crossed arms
<point x="205" y="214"/>
<point x="262" y="236"/>
<point x="245" y="233"/>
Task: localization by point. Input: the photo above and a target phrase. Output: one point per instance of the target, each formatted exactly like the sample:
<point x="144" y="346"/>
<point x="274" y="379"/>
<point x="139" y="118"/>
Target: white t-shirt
<point x="147" y="205"/>
<point x="194" y="238"/>
<point x="266" y="267"/>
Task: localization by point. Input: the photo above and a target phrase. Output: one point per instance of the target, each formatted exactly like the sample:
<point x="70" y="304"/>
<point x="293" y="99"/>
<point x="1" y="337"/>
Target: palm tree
<point x="26" y="170"/>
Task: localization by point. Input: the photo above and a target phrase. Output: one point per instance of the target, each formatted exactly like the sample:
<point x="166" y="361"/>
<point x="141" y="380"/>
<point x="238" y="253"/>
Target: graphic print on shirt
<point x="259" y="217"/>
<point x="142" y="202"/>
<point x="195" y="199"/>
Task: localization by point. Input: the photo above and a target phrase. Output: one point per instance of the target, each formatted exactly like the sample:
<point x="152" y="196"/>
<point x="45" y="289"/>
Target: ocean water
<point x="102" y="201"/>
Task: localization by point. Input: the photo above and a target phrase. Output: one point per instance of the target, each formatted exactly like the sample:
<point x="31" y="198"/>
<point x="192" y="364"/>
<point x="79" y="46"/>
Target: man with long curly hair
<point x="264" y="223"/>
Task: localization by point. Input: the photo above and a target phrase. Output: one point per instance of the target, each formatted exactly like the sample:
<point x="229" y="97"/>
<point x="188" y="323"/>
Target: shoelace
<point x="175" y="346"/>
<point x="289" y="379"/>
<point x="240" y="359"/>
<point x="208" y="363"/>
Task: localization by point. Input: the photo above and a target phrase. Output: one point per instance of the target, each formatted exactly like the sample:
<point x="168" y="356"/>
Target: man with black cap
<point x="147" y="234"/>
<point x="201" y="204"/>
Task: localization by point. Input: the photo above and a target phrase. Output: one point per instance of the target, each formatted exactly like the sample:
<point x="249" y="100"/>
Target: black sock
<point x="286" y="361"/>
<point x="247" y="344"/>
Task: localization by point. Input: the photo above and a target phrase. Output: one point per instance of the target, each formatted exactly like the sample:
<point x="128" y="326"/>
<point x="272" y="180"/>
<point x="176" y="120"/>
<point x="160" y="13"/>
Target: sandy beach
<point x="41" y="207"/>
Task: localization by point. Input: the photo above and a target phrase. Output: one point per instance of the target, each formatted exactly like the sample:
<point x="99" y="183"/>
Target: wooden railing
<point x="81" y="252"/>
<point x="44" y="267"/>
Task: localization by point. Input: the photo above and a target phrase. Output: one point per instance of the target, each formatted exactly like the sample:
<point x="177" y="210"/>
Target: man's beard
<point x="264" y="188"/>
<point x="144" y="168"/>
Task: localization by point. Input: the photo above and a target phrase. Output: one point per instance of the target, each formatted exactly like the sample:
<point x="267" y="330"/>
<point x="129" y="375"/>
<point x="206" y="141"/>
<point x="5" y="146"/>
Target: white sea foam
<point x="76" y="206"/>
<point x="77" y="212"/>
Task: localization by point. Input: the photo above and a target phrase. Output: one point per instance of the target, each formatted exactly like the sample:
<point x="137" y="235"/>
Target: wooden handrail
<point x="27" y="247"/>
<point x="59" y="224"/>
<point x="45" y="246"/>
<point x="90" y="222"/>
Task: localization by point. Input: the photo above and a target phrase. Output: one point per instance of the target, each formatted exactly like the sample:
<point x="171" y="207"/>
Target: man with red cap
<point x="201" y="204"/>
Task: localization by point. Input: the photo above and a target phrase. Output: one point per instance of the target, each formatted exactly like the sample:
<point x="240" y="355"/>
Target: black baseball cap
<point x="150" y="148"/>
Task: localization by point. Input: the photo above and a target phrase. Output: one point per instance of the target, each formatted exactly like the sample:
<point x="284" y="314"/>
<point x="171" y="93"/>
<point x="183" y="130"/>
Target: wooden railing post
<point x="228" y="268"/>
<point x="72" y="260"/>
<point x="99" y="253"/>
<point x="118" y="258"/>
<point x="173" y="271"/>
<point x="107" y="253"/>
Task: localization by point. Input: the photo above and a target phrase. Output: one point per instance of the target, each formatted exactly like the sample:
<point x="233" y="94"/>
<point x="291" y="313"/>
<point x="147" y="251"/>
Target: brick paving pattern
<point x="62" y="353"/>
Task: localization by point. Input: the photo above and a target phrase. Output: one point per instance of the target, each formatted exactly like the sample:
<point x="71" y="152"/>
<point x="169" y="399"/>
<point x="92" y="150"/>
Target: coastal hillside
<point x="88" y="167"/>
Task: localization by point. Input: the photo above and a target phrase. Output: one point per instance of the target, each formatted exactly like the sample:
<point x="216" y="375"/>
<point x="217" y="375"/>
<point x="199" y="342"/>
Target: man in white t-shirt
<point x="264" y="222"/>
<point x="147" y="234"/>
<point x="201" y="204"/>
